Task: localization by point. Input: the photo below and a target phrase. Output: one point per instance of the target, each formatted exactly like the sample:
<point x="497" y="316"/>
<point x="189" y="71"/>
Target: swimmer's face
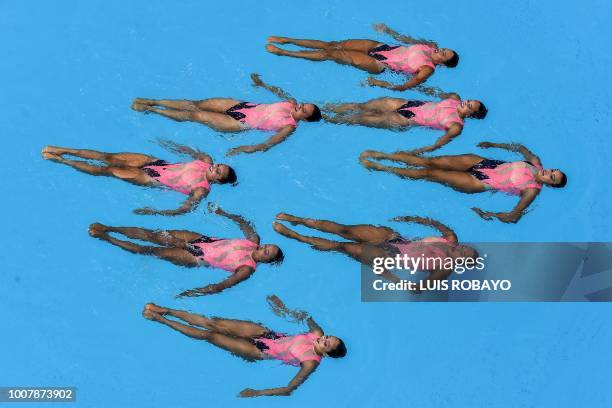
<point x="217" y="173"/>
<point x="550" y="177"/>
<point x="468" y="108"/>
<point x="442" y="55"/>
<point x="265" y="253"/>
<point x="324" y="344"/>
<point x="303" y="111"/>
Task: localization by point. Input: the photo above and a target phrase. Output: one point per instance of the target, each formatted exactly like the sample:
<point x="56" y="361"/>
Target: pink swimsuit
<point x="227" y="254"/>
<point x="273" y="116"/>
<point x="430" y="247"/>
<point x="511" y="178"/>
<point x="436" y="115"/>
<point x="404" y="59"/>
<point x="181" y="177"/>
<point x="292" y="350"/>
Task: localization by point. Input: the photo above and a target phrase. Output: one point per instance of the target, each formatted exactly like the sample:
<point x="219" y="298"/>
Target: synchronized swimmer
<point x="254" y="342"/>
<point x="193" y="178"/>
<point x="368" y="242"/>
<point x="470" y="173"/>
<point x="418" y="59"/>
<point x="448" y="114"/>
<point x="232" y="115"/>
<point x="365" y="243"/>
<point x="239" y="257"/>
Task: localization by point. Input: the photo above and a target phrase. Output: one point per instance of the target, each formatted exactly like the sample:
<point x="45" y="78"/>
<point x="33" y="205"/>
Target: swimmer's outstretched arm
<point x="421" y="76"/>
<point x="279" y="137"/>
<point x="436" y="92"/>
<point x="243" y="273"/>
<point x="453" y="131"/>
<point x="445" y="230"/>
<point x="307" y="368"/>
<point x="190" y="204"/>
<point x="406" y="39"/>
<point x="279" y="309"/>
<point x="182" y="149"/>
<point x="274" y="89"/>
<point x="517" y="212"/>
<point x="514" y="147"/>
<point x="245" y="226"/>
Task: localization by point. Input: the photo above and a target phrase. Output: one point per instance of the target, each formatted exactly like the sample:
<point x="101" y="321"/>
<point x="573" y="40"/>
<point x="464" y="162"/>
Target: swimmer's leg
<point x="385" y="120"/>
<point x="374" y="105"/>
<point x="217" y="121"/>
<point x="357" y="59"/>
<point x="353" y="250"/>
<point x="358" y="233"/>
<point x="218" y="105"/>
<point x="169" y="238"/>
<point x="132" y="175"/>
<point x="238" y="346"/>
<point x="140" y="104"/>
<point x="231" y="327"/>
<point x="353" y="45"/>
<point x="462" y="162"/>
<point x="113" y="159"/>
<point x="176" y="256"/>
<point x="459" y="180"/>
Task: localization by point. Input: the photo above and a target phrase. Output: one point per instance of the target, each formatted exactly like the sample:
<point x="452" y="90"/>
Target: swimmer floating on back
<point x="192" y="178"/>
<point x="448" y="115"/>
<point x="240" y="257"/>
<point x="369" y="242"/>
<point x="418" y="59"/>
<point x="232" y="115"/>
<point x="470" y="173"/>
<point x="254" y="342"/>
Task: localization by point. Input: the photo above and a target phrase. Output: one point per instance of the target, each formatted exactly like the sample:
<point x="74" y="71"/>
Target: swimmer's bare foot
<point x="372" y="154"/>
<point x="278" y="40"/>
<point x="157" y="309"/>
<point x="97" y="230"/>
<point x="140" y="107"/>
<point x="281" y="229"/>
<point x="151" y="315"/>
<point x="293" y="220"/>
<point x="275" y="50"/>
<point x="51" y="153"/>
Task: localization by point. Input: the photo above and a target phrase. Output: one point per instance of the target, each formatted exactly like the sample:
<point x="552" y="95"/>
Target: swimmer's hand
<point x="485" y="145"/>
<point x="507" y="217"/>
<point x="153" y="211"/>
<point x="146" y="211"/>
<point x="371" y="81"/>
<point x="214" y="208"/>
<point x="256" y="78"/>
<point x="486" y="215"/>
<point x="237" y="150"/>
<point x="410" y="218"/>
<point x="248" y="392"/>
<point x="380" y="27"/>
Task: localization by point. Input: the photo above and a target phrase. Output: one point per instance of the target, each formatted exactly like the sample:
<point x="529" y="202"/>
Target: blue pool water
<point x="72" y="304"/>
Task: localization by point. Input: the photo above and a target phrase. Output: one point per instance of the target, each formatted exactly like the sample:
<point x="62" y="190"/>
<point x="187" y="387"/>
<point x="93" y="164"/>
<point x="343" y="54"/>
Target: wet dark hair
<point x="339" y="351"/>
<point x="279" y="258"/>
<point x="231" y="177"/>
<point x="561" y="183"/>
<point x="453" y="61"/>
<point x="481" y="113"/>
<point x="316" y="114"/>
